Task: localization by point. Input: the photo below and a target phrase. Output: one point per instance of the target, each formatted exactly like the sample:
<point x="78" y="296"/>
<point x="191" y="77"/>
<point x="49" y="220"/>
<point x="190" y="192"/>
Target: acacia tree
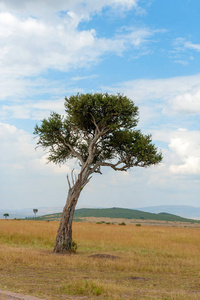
<point x="6" y="215"/>
<point x="35" y="210"/>
<point x="98" y="130"/>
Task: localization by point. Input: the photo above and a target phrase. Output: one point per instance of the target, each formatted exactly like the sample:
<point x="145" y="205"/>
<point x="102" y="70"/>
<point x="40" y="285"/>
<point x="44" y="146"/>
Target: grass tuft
<point x="83" y="288"/>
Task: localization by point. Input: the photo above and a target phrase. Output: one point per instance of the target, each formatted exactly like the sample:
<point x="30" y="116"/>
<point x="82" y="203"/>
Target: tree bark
<point x="64" y="234"/>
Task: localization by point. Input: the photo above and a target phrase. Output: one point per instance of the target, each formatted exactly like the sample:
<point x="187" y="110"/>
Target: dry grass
<point x="144" y="262"/>
<point x="140" y="221"/>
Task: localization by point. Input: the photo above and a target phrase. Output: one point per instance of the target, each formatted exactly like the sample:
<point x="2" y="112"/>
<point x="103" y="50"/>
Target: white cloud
<point x="183" y="51"/>
<point x="16" y="146"/>
<point x="51" y="7"/>
<point x="33" y="46"/>
<point x="35" y="110"/>
<point x="30" y="46"/>
<point x="192" y="46"/>
<point x="41" y="163"/>
<point x="186" y="145"/>
<point x="143" y="90"/>
<point x="181" y="155"/>
<point x="159" y="100"/>
<point x="78" y="78"/>
<point x="18" y="153"/>
<point x="31" y="42"/>
<point x="188" y="103"/>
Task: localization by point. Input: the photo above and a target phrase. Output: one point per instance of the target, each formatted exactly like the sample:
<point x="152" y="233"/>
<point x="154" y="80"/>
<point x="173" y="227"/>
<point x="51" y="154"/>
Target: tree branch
<point x="125" y="167"/>
<point x="68" y="182"/>
<point x="82" y="186"/>
<point x="93" y="142"/>
<point x="115" y="166"/>
<point x="72" y="149"/>
<point x="94" y="121"/>
<point x="96" y="168"/>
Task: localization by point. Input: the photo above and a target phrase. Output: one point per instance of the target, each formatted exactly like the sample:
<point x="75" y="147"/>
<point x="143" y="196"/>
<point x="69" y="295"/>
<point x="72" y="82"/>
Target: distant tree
<point x="6" y="215"/>
<point x="35" y="210"/>
<point x="98" y="130"/>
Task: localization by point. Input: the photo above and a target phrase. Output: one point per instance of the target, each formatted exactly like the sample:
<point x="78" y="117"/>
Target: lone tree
<point x="6" y="215"/>
<point x="35" y="210"/>
<point x="98" y="130"/>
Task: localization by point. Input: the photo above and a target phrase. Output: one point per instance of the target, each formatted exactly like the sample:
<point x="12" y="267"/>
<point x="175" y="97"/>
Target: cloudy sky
<point x="147" y="49"/>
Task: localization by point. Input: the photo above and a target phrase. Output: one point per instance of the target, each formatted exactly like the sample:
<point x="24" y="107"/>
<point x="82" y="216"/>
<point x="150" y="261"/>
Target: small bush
<point x="83" y="288"/>
<point x="108" y="223"/>
<point x="122" y="223"/>
<point x="74" y="247"/>
<point x="138" y="225"/>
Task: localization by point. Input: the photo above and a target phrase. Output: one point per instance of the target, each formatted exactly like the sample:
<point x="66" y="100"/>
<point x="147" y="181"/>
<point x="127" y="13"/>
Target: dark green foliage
<point x="134" y="148"/>
<point x="6" y="215"/>
<point x="108" y="111"/>
<point x="107" y="121"/>
<point x="122" y="223"/>
<point x="35" y="210"/>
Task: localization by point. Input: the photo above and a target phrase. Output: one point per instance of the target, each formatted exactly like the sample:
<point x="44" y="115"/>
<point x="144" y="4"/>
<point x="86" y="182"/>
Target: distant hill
<point x="118" y="213"/>
<point x="184" y="211"/>
<point x="54" y="213"/>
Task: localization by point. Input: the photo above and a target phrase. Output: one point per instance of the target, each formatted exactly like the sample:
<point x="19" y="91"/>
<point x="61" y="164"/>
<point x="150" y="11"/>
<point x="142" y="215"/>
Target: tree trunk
<point x="64" y="234"/>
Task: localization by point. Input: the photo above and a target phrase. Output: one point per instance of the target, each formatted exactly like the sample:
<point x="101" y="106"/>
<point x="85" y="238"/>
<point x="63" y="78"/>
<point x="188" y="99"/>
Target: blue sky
<point x="147" y="49"/>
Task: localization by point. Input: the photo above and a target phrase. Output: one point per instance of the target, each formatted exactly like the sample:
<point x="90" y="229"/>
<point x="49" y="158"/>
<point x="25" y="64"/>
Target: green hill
<point x="118" y="213"/>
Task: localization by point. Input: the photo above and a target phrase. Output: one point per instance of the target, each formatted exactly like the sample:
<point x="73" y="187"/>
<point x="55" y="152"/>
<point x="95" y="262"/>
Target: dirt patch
<point x="104" y="256"/>
<point x="4" y="295"/>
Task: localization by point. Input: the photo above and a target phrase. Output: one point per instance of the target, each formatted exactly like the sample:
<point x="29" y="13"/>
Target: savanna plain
<point x="111" y="262"/>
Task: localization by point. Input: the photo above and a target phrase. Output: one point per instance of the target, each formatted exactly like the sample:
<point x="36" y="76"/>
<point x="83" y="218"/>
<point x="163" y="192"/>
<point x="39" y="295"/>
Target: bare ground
<point x="5" y="295"/>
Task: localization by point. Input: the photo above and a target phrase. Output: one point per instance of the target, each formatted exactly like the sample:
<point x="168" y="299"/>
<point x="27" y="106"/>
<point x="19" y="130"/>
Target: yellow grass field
<point x="112" y="261"/>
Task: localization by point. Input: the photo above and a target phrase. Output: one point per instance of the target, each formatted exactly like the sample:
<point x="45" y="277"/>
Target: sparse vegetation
<point x="74" y="247"/>
<point x="112" y="262"/>
<point x="122" y="223"/>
